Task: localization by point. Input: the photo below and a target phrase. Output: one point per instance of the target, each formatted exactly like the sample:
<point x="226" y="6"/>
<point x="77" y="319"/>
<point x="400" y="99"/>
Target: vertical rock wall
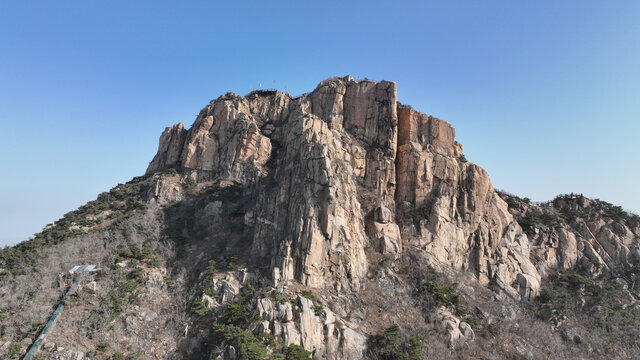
<point x="322" y="163"/>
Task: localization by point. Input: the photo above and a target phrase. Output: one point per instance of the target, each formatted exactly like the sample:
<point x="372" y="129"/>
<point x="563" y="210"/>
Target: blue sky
<point x="543" y="94"/>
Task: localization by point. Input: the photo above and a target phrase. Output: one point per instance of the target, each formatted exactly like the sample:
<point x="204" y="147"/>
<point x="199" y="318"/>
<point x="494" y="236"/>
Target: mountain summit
<point x="340" y="224"/>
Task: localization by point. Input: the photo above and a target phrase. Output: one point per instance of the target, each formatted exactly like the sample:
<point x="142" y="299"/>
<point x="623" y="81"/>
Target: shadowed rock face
<point x="324" y="162"/>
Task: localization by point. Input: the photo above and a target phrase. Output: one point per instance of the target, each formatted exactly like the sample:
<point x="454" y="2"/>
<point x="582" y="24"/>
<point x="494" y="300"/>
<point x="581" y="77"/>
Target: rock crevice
<point x="322" y="163"/>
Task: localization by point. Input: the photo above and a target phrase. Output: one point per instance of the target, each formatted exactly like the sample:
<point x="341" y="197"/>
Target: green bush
<point x="296" y="352"/>
<point x="154" y="262"/>
<point x="200" y="308"/>
<point x="102" y="346"/>
<point x="247" y="344"/>
<point x="35" y="328"/>
<point x="307" y="294"/>
<point x="563" y="291"/>
<point x="210" y="273"/>
<point x="268" y="339"/>
<point x="137" y="275"/>
<point x="238" y="314"/>
<point x="445" y="295"/>
<point x="14" y="351"/>
<point x="225" y="194"/>
<point x="574" y="281"/>
<point x="392" y="335"/>
<point x="117" y="356"/>
<point x="392" y="346"/>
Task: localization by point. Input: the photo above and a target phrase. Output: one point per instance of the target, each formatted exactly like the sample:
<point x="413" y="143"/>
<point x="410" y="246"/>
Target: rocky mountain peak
<point x="337" y="154"/>
<point x="340" y="224"/>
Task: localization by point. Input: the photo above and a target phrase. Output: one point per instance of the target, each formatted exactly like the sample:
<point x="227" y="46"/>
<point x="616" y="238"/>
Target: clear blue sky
<point x="543" y="94"/>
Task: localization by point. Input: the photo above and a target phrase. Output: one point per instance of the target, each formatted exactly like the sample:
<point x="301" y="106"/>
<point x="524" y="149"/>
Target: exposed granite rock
<point x="169" y="149"/>
<point x="457" y="332"/>
<point x="465" y="224"/>
<point x="349" y="194"/>
<point x="326" y="335"/>
<point x="602" y="238"/>
<point x="333" y="152"/>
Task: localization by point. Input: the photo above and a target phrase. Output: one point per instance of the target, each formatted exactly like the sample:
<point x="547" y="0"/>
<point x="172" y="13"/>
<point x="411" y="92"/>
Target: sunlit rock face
<point x="325" y="161"/>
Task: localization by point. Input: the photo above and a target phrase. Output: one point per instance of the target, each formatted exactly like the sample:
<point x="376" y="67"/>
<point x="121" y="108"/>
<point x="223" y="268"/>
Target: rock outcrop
<point x="324" y="162"/>
<point x="574" y="231"/>
<point x="323" y="333"/>
<point x="461" y="220"/>
<point x="341" y="222"/>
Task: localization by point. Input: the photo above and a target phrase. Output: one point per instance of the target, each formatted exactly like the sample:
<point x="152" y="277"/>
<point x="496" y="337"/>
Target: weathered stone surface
<point x="464" y="223"/>
<point x="71" y="355"/>
<point x="225" y="140"/>
<point x="344" y="193"/>
<point x="208" y="301"/>
<point x="592" y="243"/>
<point x="433" y="134"/>
<point x="169" y="149"/>
<point x="457" y="332"/>
<point x="333" y="155"/>
<point x="316" y="333"/>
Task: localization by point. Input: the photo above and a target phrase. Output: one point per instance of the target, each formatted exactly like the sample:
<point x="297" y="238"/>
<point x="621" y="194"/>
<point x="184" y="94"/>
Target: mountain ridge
<point x="275" y="222"/>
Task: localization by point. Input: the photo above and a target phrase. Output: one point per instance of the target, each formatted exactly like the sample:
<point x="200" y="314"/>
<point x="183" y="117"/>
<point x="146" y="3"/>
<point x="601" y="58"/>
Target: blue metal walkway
<point x="34" y="348"/>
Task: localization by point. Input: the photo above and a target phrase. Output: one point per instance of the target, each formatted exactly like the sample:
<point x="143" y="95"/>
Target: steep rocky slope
<point x="341" y="222"/>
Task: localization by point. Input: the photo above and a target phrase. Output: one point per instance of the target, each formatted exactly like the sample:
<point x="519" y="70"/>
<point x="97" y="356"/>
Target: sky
<point x="545" y="95"/>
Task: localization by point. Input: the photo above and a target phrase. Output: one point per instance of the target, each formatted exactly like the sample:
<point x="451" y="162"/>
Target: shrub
<point x="268" y="339"/>
<point x="239" y="314"/>
<point x="14" y="351"/>
<point x="200" y="308"/>
<point x="414" y="348"/>
<point x="445" y="295"/>
<point x="35" y="328"/>
<point x="228" y="193"/>
<point x="102" y="346"/>
<point x="154" y="262"/>
<point x="137" y="275"/>
<point x="308" y="294"/>
<point x="574" y="281"/>
<point x="117" y="356"/>
<point x="247" y="344"/>
<point x="296" y="352"/>
<point x="190" y="186"/>
<point x="392" y="335"/>
<point x="392" y="346"/>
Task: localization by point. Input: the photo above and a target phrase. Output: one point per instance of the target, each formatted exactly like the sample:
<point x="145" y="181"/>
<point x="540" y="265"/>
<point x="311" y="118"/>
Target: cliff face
<point x="321" y="221"/>
<point x="334" y="156"/>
